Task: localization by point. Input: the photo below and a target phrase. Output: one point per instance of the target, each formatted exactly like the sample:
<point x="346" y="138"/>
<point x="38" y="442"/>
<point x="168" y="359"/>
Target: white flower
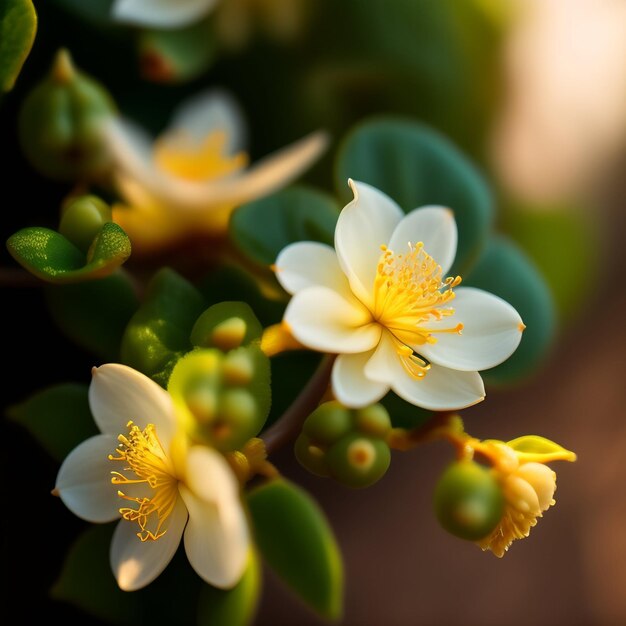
<point x="190" y="179"/>
<point x="161" y="13"/>
<point x="141" y="472"/>
<point x="380" y="301"/>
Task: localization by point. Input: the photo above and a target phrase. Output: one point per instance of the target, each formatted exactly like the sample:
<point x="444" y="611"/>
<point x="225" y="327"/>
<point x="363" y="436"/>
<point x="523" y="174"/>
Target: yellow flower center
<point x="409" y="291"/>
<point x="145" y="465"/>
<point x="185" y="157"/>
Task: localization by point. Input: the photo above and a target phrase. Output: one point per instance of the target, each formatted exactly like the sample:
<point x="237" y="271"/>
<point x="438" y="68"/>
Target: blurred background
<point x="534" y="92"/>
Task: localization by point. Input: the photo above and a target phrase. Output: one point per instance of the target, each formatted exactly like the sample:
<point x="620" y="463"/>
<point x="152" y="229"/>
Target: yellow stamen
<point x="409" y="291"/>
<point x="146" y="464"/>
<point x="185" y="157"/>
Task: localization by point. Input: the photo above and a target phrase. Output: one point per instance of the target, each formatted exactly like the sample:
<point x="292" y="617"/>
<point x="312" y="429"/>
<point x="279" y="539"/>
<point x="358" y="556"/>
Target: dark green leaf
<point x="57" y="417"/>
<point x="159" y="332"/>
<point x="261" y="229"/>
<point x="298" y="544"/>
<point x="417" y="166"/>
<point x="503" y="269"/>
<point x="51" y="257"/>
<point x="18" y="25"/>
<point x="233" y="607"/>
<point x="94" y="314"/>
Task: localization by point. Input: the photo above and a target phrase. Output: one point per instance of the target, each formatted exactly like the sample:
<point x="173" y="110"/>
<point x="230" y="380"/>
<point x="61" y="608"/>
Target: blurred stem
<point x="289" y="424"/>
<point x="15" y="277"/>
<point x="443" y="425"/>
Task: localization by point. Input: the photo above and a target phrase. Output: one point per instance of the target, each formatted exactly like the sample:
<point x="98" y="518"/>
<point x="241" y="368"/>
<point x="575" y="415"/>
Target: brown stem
<point x="288" y="425"/>
<point x="16" y="277"/>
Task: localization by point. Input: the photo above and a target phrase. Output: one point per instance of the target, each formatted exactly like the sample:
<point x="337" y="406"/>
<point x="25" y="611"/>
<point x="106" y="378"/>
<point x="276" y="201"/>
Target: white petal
<point x="119" y="394"/>
<point x="216" y="539"/>
<point x="137" y="563"/>
<point x="323" y="320"/>
<point x="364" y="225"/>
<point x="492" y="330"/>
<point x="435" y="227"/>
<point x="350" y="385"/>
<point x="441" y="389"/>
<point x="210" y="477"/>
<point x="381" y="366"/>
<point x="309" y="264"/>
<point x="84" y="480"/>
<point x="542" y="479"/>
<point x="161" y="13"/>
<point x="211" y="110"/>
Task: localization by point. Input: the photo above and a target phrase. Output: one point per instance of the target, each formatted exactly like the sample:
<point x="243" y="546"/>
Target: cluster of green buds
<point x="346" y="444"/>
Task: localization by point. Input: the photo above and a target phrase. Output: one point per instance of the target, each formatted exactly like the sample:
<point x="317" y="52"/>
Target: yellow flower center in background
<point x="408" y="292"/>
<point x="145" y="465"/>
<point x="185" y="157"/>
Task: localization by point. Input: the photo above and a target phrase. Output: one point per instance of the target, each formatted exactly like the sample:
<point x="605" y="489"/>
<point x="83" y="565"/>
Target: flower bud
<point x="82" y="220"/>
<point x="357" y="460"/>
<point x="311" y="456"/>
<point x="328" y="422"/>
<point x="373" y="420"/>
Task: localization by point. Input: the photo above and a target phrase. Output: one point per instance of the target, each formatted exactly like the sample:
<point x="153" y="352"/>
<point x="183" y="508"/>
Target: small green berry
<point x="358" y="460"/>
<point x="310" y="456"/>
<point x="238" y="367"/>
<point x="373" y="420"/>
<point x="82" y="220"/>
<point x="328" y="422"/>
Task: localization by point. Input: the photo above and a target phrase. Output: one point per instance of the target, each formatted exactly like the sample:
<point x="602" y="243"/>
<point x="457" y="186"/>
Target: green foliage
<point x="261" y="229"/>
<point x="296" y="541"/>
<point x="505" y="271"/>
<point x="416" y="166"/>
<point x="94" y="314"/>
<point x="95" y="11"/>
<point x="18" y="25"/>
<point x="232" y="607"/>
<point x="532" y="448"/>
<point x="159" y="332"/>
<point x="57" y="417"/>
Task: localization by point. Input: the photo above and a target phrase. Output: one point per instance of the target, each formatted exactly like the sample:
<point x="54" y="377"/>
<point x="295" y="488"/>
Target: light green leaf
<point x="298" y="544"/>
<point x="504" y="270"/>
<point x="18" y="25"/>
<point x="57" y="417"/>
<point x="417" y="166"/>
<point x="51" y="257"/>
<point x="232" y="607"/>
<point x="159" y="332"/>
<point x="532" y="448"/>
<point x="261" y="229"/>
<point x="95" y="313"/>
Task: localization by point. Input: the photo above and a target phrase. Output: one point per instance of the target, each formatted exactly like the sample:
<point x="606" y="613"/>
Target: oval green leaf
<point x="417" y="166"/>
<point x="504" y="270"/>
<point x="533" y="448"/>
<point x="294" y="537"/>
<point x="261" y="229"/>
<point x="18" y="25"/>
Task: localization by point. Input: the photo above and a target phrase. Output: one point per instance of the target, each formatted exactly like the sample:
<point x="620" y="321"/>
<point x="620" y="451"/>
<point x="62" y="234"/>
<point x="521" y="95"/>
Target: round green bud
<point x="328" y="422"/>
<point x="468" y="500"/>
<point x="60" y="124"/>
<point x="238" y="368"/>
<point x="357" y="460"/>
<point x="237" y="419"/>
<point x="310" y="456"/>
<point x="82" y="220"/>
<point x="373" y="420"/>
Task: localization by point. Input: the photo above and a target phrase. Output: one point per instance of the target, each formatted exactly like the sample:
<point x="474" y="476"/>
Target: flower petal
<point x="84" y="480"/>
<point x="309" y="264"/>
<point x="364" y="225"/>
<point x="492" y="330"/>
<point x="216" y="539"/>
<point x="137" y="563"/>
<point x="542" y="479"/>
<point x="323" y="320"/>
<point x="209" y="476"/>
<point x="119" y="394"/>
<point x="350" y="384"/>
<point x="381" y="366"/>
<point x="161" y="13"/>
<point x="208" y="111"/>
<point x="435" y="227"/>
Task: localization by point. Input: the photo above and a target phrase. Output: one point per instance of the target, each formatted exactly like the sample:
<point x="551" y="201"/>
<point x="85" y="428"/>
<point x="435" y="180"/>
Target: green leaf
<point x="232" y="607"/>
<point x="504" y="270"/>
<point x="532" y="448"/>
<point x="417" y="166"/>
<point x="261" y="229"/>
<point x="57" y="417"/>
<point x="298" y="544"/>
<point x="18" y="25"/>
<point x="94" y="314"/>
<point x="51" y="257"/>
<point x="159" y="332"/>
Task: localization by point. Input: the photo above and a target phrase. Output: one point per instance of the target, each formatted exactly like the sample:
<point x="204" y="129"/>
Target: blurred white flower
<point x="161" y="13"/>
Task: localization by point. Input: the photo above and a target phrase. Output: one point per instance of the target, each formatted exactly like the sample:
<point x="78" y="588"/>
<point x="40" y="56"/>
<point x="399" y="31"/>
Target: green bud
<point x="238" y="367"/>
<point x="328" y="422"/>
<point x="468" y="500"/>
<point x="311" y="456"/>
<point x="60" y="123"/>
<point x="226" y="325"/>
<point x="82" y="220"/>
<point x="357" y="460"/>
<point x="373" y="420"/>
